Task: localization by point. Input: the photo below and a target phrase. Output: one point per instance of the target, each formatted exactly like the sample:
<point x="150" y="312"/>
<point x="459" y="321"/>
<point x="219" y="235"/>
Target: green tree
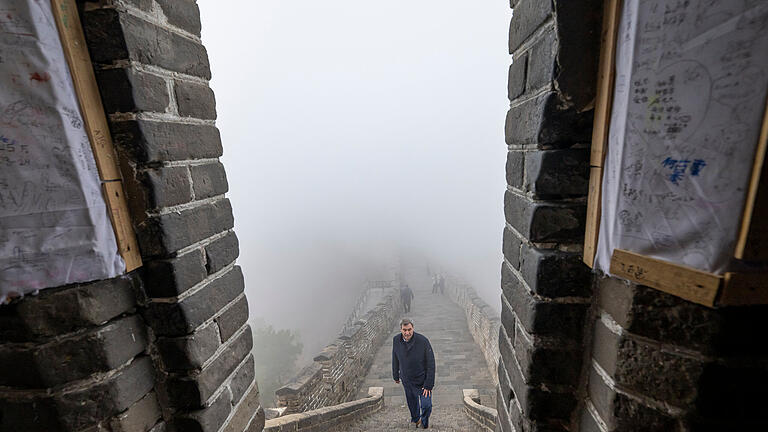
<point x="275" y="353"/>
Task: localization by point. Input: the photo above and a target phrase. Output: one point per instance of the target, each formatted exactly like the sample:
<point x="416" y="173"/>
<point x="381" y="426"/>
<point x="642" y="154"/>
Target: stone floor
<point x="459" y="364"/>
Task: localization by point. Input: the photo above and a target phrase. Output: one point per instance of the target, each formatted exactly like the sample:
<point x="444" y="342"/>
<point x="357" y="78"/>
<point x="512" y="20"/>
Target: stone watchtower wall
<point x="165" y="348"/>
<point x="580" y="352"/>
<point x="338" y="371"/>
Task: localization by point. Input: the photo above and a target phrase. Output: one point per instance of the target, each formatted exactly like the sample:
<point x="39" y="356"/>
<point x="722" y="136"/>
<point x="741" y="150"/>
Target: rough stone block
<point x="209" y="419"/>
<point x="623" y="413"/>
<point x="189" y="352"/>
<point x="529" y="15"/>
<point x="233" y="319"/>
<point x="209" y="180"/>
<point x="547" y="122"/>
<point x="84" y="407"/>
<point x="505" y="386"/>
<point x="221" y="252"/>
<point x="128" y="90"/>
<point x="183" y="14"/>
<point x="542" y="62"/>
<point x="511" y="247"/>
<point x="195" y="391"/>
<point x="545" y="222"/>
<point x="132" y="38"/>
<point x="29" y="415"/>
<point x="546" y="364"/>
<point x="544" y="317"/>
<point x="195" y="100"/>
<point x="516" y="79"/>
<point x="552" y="273"/>
<point x="57" y="311"/>
<point x="165" y="186"/>
<point x="171" y="277"/>
<point x="147" y="141"/>
<point x="504" y="423"/>
<point x="246" y="412"/>
<point x="167" y="233"/>
<point x="557" y="173"/>
<point x="507" y="320"/>
<point x="140" y="417"/>
<point x="514" y="167"/>
<point x="243" y="379"/>
<point x="178" y="319"/>
<point x="588" y="423"/>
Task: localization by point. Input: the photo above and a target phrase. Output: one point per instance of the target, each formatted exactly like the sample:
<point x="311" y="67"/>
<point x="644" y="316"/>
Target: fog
<point x="353" y="130"/>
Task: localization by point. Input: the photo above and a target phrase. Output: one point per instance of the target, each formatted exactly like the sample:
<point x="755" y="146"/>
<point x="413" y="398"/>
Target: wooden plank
<point x="593" y="215"/>
<point x="81" y="69"/>
<point x="685" y="282"/>
<point x="744" y="289"/>
<point x="753" y="233"/>
<point x="121" y="222"/>
<point x="605" y="81"/>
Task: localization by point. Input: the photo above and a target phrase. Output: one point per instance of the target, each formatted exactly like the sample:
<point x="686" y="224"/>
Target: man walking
<point x="405" y="296"/>
<point x="413" y="362"/>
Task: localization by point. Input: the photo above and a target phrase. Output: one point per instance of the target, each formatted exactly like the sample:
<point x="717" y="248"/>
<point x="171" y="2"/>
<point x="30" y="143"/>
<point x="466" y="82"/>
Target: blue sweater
<point x="413" y="361"/>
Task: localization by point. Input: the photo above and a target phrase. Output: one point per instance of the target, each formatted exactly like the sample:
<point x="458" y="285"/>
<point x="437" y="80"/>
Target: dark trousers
<point x="419" y="405"/>
<point x="407" y="305"/>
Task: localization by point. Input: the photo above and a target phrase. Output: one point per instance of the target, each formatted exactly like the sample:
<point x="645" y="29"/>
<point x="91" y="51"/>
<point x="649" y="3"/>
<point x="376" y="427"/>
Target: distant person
<point x="406" y="295"/>
<point x="435" y="285"/>
<point x="441" y="284"/>
<point x="413" y="362"/>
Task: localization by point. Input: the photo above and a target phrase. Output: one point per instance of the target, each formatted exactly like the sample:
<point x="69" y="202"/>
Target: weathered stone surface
<point x="128" y="90"/>
<point x="545" y="221"/>
<point x="552" y="273"/>
<point x="247" y="411"/>
<point x="166" y="186"/>
<point x="557" y="173"/>
<point x="189" y="352"/>
<point x="147" y="141"/>
<point x="178" y="319"/>
<point x="221" y="252"/>
<point x="165" y="234"/>
<point x="547" y="317"/>
<point x="209" y="419"/>
<point x="183" y="14"/>
<point x="57" y="311"/>
<point x="516" y="79"/>
<point x="140" y="417"/>
<point x="243" y="379"/>
<point x="209" y="180"/>
<point x="546" y="122"/>
<point x="529" y="15"/>
<point x="171" y="277"/>
<point x="546" y="363"/>
<point x="195" y="100"/>
<point x="511" y="247"/>
<point x="233" y="319"/>
<point x="542" y="62"/>
<point x="515" y="164"/>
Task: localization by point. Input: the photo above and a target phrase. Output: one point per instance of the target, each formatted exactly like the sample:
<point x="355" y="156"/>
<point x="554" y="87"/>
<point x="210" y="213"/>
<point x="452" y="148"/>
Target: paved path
<point x="459" y="365"/>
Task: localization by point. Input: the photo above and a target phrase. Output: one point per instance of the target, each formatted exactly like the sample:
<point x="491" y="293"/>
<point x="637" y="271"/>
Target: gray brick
<point x="516" y="79"/>
<point x="543" y="317"/>
<point x="209" y="419"/>
<point x="195" y="100"/>
<point x="544" y="363"/>
<point x="209" y="180"/>
<point x="243" y="379"/>
<point x="247" y="412"/>
<point x="189" y="352"/>
<point x="221" y="252"/>
<point x="544" y="221"/>
<point x="557" y="173"/>
<point x="166" y="186"/>
<point x="146" y="141"/>
<point x="231" y="320"/>
<point x="128" y="90"/>
<point x="547" y="122"/>
<point x="178" y="319"/>
<point x="195" y="391"/>
<point x="183" y="14"/>
<point x="511" y="247"/>
<point x="542" y="62"/>
<point x="171" y="277"/>
<point x="167" y="233"/>
<point x="529" y="15"/>
<point x="552" y="273"/>
<point x="140" y="417"/>
<point x="514" y="168"/>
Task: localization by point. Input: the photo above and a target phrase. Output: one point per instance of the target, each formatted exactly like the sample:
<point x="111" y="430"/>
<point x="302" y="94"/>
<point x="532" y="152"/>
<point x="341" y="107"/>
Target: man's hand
<point x="397" y="381"/>
<point x="426" y="393"/>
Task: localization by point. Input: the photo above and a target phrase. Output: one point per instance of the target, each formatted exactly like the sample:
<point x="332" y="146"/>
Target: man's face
<point x="407" y="332"/>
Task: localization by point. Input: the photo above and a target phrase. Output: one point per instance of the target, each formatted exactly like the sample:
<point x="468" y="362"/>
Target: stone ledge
<point x="482" y="415"/>
<point x="323" y="419"/>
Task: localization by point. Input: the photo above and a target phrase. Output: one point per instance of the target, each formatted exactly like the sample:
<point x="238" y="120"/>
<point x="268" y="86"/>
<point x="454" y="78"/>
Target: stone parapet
<point x="484" y="416"/>
<point x="340" y="368"/>
<point x="327" y="418"/>
<point x="483" y="321"/>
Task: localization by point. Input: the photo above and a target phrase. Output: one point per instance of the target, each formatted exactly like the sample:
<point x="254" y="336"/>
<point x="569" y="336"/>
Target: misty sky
<point x="350" y="129"/>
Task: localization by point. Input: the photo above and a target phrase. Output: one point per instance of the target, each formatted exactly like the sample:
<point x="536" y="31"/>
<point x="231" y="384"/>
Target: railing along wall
<point x="483" y="321"/>
<point x="337" y="372"/>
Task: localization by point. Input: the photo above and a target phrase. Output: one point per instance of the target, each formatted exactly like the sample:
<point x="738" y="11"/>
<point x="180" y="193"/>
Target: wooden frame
<point x="80" y="67"/>
<point x="733" y="288"/>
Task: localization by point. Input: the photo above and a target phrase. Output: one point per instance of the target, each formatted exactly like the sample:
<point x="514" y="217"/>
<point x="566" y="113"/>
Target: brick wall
<point x="546" y="289"/>
<point x="580" y="352"/>
<point x="337" y="372"/>
<point x="167" y="347"/>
